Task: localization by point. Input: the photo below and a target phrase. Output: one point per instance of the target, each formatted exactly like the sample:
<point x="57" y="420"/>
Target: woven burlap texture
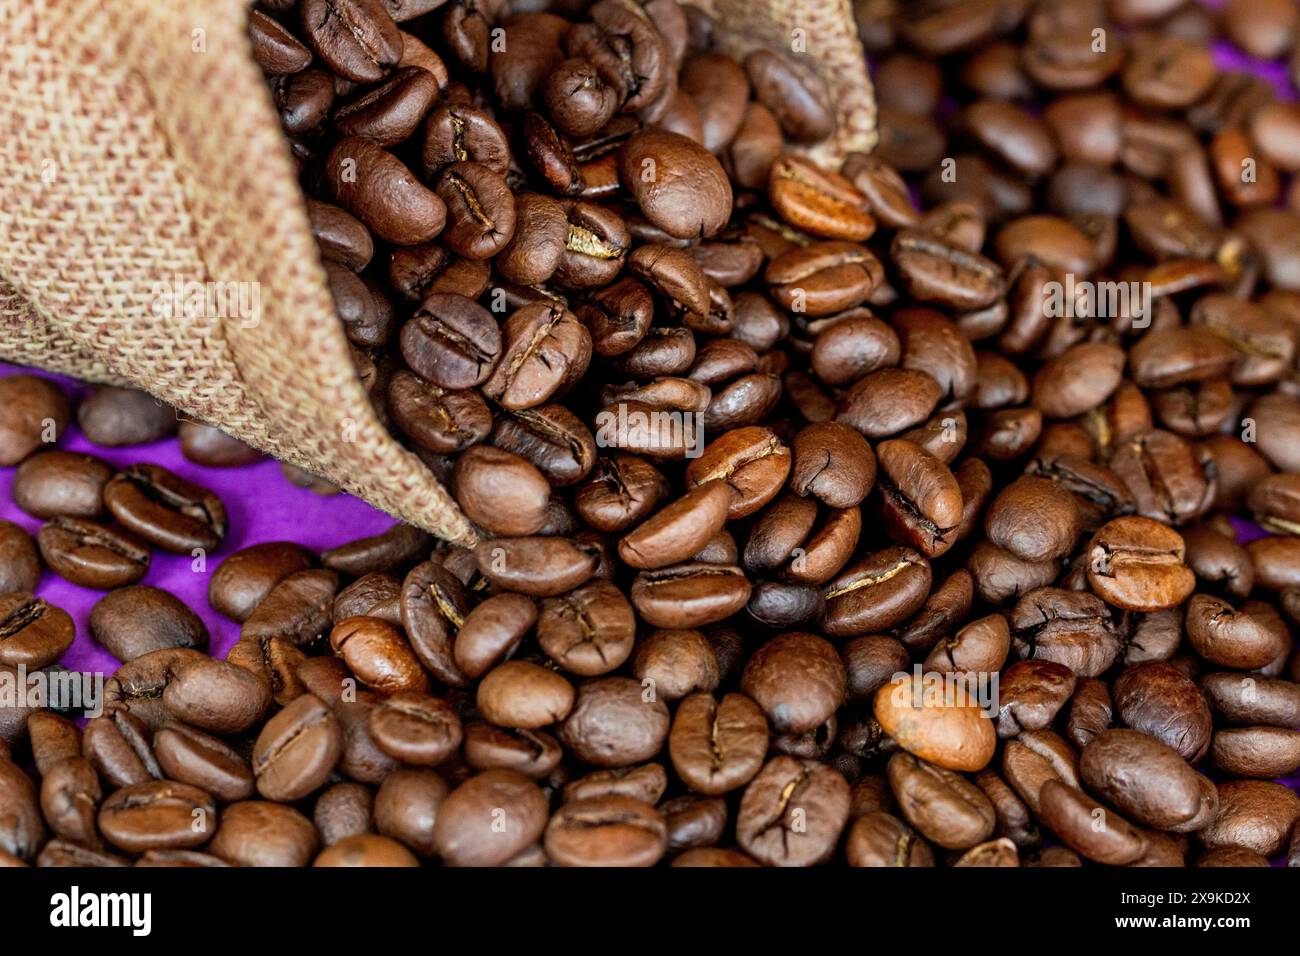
<point x="142" y="151"/>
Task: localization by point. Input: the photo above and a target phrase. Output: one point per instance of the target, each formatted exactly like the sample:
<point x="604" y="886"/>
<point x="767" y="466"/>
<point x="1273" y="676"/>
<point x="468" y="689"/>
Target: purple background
<point x="261" y="503"/>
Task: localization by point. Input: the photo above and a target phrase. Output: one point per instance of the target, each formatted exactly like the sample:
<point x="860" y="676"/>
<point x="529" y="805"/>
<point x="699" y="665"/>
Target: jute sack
<point x="142" y="155"/>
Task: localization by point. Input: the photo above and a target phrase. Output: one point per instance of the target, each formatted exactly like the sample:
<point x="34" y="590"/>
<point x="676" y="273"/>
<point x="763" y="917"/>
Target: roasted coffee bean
<point x="366" y="850"/>
<point x="416" y="728"/>
<point x="1248" y="636"/>
<point x="159" y="814"/>
<point x="690" y="595"/>
<point x="689" y="196"/>
<point x="793" y="812"/>
<point x="943" y="806"/>
<point x="1072" y="628"/>
<point x="213" y="448"/>
<point x="136" y="620"/>
<point x="357" y="39"/>
<point x="791" y="91"/>
<point x="33" y="632"/>
<point x="589" y="631"/>
<point x="343" y="810"/>
<point x="61" y="483"/>
<point x="210" y="694"/>
<point x="165" y="509"/>
<point x="876" y="593"/>
<point x="545" y="348"/>
<point x="296" y="750"/>
<point x="377" y="188"/>
<point x="489" y="819"/>
<point x="378" y="654"/>
<point x="260" y="833"/>
<point x="399" y="546"/>
<point x="606" y="831"/>
<point x="298" y="608"/>
<point x="1157" y="699"/>
<point x="951" y="733"/>
<point x="120" y="745"/>
<point x="798" y="679"/>
<point x="1253" y="815"/>
<point x="615" y="723"/>
<point x="1071" y="813"/>
<point x="20" y="562"/>
<point x="116" y="417"/>
<point x="201" y="760"/>
<point x="243" y="579"/>
<point x="1136" y="564"/>
<point x="23" y="830"/>
<point x="834" y="464"/>
<point x="91" y="554"/>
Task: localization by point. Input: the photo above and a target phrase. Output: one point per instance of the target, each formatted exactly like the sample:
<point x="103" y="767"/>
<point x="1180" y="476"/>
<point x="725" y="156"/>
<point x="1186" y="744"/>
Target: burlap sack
<point x="141" y="152"/>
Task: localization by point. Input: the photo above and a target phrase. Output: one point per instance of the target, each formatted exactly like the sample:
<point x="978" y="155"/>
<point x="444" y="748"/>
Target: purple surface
<point x="262" y="505"/>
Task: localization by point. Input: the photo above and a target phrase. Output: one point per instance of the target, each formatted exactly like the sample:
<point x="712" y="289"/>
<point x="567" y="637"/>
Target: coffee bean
<point x="258" y="833"/>
<point x="678" y="185"/>
<point x="792" y="813"/>
<point x="1137" y="564"/>
<point x="201" y="760"/>
<point x="948" y="733"/>
<point x="33" y="632"/>
<point x="165" y="509"/>
<point x="135" y="620"/>
<point x="489" y="818"/>
<point x="61" y="483"/>
<point x="296" y="750"/>
<point x="614" y="723"/>
<point x="399" y="546"/>
<point x="606" y="831"/>
<point x="91" y="554"/>
<point x="243" y="579"/>
<point x="117" y="417"/>
<point x="356" y="38"/>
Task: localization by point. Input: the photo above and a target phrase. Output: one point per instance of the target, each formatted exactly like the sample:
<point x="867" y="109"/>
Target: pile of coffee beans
<point x="819" y="523"/>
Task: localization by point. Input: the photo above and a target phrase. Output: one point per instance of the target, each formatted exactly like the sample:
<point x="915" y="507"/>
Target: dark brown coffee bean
<point x="297" y="609"/>
<point x="378" y="189"/>
<point x="296" y="750"/>
<point x="20" y="562"/>
<point x="201" y="760"/>
<point x="116" y="417"/>
<point x="1157" y="699"/>
<point x="91" y="554"/>
<point x="1137" y="564"/>
<point x="136" y="620"/>
<point x="679" y="186"/>
<point x="357" y="39"/>
<point x="165" y="509"/>
<point x="791" y="91"/>
<point x="158" y="814"/>
<point x="876" y="593"/>
<point x="615" y="723"/>
<point x="792" y="813"/>
<point x="243" y="579"/>
<point x="489" y="819"/>
<point x="259" y="833"/>
<point x="61" y="483"/>
<point x="416" y="728"/>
